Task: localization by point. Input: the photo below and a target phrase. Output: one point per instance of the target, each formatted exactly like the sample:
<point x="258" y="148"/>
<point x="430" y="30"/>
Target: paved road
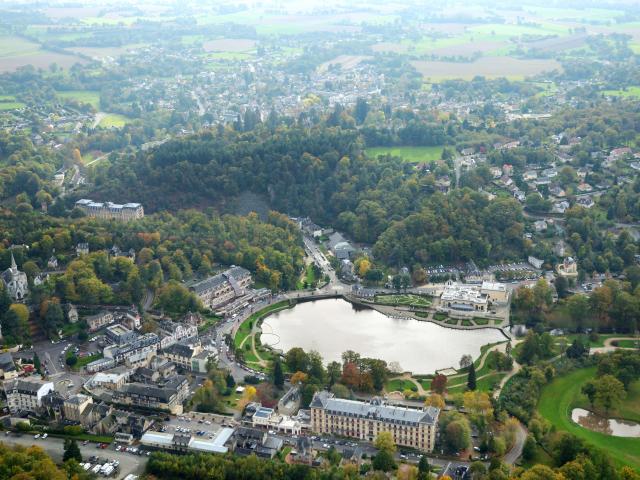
<point x="129" y="463"/>
<point x="514" y="454"/>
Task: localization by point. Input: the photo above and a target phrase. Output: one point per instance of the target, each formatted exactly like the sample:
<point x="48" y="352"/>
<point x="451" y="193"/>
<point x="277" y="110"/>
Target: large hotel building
<point x="410" y="427"/>
<point x="111" y="211"/>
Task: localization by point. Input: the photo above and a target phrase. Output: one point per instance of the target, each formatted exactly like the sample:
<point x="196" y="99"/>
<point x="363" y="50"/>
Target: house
<point x="168" y="396"/>
<point x="171" y="332"/>
<point x="584" y="187"/>
<point x="340" y="247"/>
<point x="443" y="184"/>
<point x="586" y="202"/>
<point x="247" y="441"/>
<point x="200" y="361"/>
<point x="410" y="427"/>
<point x="75" y="405"/>
<point x="540" y="225"/>
<point x="52" y="263"/>
<point x="72" y="313"/>
<point x="535" y="262"/>
<point x="109" y="381"/>
<point x="82" y="249"/>
<point x="560" y="207"/>
<point x="120" y="335"/>
<point x="25" y="395"/>
<point x="8" y="369"/>
<point x="557" y="191"/>
<point x="222" y="288"/>
<point x="99" y="320"/>
<point x="182" y="354"/>
<point x="529" y="175"/>
<point x="507" y="169"/>
<point x="15" y="281"/>
<point x="568" y="268"/>
<point x="138" y="352"/>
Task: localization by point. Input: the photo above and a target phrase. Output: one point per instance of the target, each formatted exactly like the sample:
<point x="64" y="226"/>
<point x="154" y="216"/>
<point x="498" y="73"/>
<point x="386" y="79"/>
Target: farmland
<point x="16" y="52"/>
<point x="7" y="102"/>
<point x="489" y="67"/>
<point x="409" y="154"/>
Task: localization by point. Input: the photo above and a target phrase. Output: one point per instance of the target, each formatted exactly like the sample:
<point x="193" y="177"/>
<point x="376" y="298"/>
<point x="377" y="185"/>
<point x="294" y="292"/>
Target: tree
<point x="424" y="468"/>
<point x="529" y="448"/>
<point x="384" y="461"/>
<point x="278" y="375"/>
<point x="471" y="377"/>
<point x="458" y="435"/>
<point x="230" y="381"/>
<point x="384" y="441"/>
<point x="297" y="360"/>
<point x="36" y="363"/>
<point x="609" y="392"/>
<point x="299" y="378"/>
<point x="71" y="360"/>
<point x="466" y="361"/>
<point x="578" y="308"/>
<point x="439" y="383"/>
<point x="435" y="400"/>
<point x="71" y="451"/>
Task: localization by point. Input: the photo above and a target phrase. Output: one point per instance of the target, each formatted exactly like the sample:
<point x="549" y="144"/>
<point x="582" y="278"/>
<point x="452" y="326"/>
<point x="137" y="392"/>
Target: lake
<point x="334" y="326"/>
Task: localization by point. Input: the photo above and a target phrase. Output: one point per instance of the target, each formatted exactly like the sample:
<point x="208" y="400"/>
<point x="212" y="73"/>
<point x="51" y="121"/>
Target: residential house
<point x="568" y="268"/>
<point x="7" y="366"/>
<point x="82" y="249"/>
<point x="247" y="441"/>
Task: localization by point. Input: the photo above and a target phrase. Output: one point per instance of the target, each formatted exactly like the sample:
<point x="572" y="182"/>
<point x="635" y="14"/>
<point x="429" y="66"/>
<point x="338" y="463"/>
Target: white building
<point x="25" y="395"/>
<point x="464" y="298"/>
<point x="111" y="211"/>
<point x="172" y="332"/>
<point x="496" y="292"/>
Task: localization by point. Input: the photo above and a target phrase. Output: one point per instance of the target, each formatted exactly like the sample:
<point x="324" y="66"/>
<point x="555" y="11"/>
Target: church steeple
<point x="14" y="267"/>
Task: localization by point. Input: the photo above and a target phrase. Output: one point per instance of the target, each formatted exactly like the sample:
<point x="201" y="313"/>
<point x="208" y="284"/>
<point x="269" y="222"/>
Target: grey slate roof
<point x="375" y="409"/>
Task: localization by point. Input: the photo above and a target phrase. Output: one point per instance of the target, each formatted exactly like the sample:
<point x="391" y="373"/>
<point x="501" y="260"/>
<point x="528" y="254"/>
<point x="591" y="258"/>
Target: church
<point x="15" y="281"/>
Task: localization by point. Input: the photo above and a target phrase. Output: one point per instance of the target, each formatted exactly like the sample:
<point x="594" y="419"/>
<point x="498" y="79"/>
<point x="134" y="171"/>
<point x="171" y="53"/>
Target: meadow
<point x="408" y="154"/>
<point x="114" y="120"/>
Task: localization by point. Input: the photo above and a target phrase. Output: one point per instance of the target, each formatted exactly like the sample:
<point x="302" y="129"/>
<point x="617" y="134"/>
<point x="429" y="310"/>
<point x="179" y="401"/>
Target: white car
<point x="36" y="436"/>
<point x="45" y="435"/>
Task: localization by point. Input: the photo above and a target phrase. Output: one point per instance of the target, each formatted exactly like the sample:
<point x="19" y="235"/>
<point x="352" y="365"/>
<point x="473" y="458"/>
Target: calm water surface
<point x="608" y="426"/>
<point x="333" y="326"/>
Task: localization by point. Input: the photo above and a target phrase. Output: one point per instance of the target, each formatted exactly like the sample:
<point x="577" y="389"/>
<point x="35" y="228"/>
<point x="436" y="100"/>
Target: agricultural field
<point x="114" y="120"/>
<point x="103" y="52"/>
<point x="16" y="52"/>
<point x="489" y="67"/>
<point x="86" y="96"/>
<point x="408" y="154"/>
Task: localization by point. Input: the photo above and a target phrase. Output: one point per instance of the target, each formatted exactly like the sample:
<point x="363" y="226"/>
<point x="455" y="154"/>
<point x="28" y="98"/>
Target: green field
<point x="90" y="97"/>
<point x="624" y="93"/>
<point x="8" y="102"/>
<point x="563" y="394"/>
<point x="408" y="154"/>
<point x="114" y="120"/>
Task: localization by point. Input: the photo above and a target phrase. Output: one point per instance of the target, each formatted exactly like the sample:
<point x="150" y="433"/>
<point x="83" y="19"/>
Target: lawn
<point x="83" y="361"/>
<point x="82" y="96"/>
<point x="308" y="276"/>
<point x="480" y="321"/>
<point x="440" y="317"/>
<point x="114" y="120"/>
<point x="408" y="154"/>
<point x="400" y="385"/>
<point x="559" y="398"/>
<point x="245" y="329"/>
